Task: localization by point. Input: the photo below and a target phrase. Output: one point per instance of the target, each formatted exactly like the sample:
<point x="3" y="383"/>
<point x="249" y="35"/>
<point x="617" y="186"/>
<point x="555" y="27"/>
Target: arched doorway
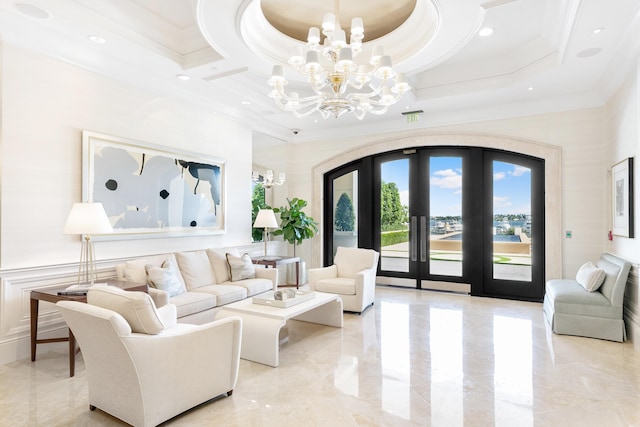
<point x="472" y="250"/>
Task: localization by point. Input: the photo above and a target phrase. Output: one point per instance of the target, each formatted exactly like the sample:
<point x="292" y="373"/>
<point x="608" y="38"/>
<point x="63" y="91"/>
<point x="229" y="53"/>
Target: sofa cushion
<point x="137" y="308"/>
<point x="218" y="261"/>
<point x="254" y="286"/>
<point x="189" y="303"/>
<point x="568" y="297"/>
<point x="135" y="271"/>
<point x="196" y="269"/>
<point x="241" y="267"/>
<point x="165" y="278"/>
<point x="590" y="277"/>
<point x="337" y="285"/>
<point x="225" y="294"/>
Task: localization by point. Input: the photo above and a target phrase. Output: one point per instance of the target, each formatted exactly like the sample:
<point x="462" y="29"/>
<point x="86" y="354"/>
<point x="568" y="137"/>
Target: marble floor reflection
<point x="414" y="359"/>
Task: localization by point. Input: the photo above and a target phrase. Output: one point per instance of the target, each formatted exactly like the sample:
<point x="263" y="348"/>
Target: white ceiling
<point x="546" y="45"/>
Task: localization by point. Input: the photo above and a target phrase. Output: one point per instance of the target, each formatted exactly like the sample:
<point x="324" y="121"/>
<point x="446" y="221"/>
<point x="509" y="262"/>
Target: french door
<point x="449" y="218"/>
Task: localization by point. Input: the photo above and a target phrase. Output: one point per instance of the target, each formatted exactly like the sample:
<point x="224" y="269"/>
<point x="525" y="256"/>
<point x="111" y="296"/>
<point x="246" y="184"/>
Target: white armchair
<point x="352" y="277"/>
<point x="147" y="378"/>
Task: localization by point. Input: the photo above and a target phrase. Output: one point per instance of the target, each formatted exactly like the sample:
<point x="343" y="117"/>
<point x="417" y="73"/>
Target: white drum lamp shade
<point x="266" y="219"/>
<point x="87" y="219"/>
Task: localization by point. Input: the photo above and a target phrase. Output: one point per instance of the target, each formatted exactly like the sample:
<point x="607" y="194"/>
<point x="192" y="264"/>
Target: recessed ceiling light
<point x="32" y="11"/>
<point x="592" y="51"/>
<point x="183" y="77"/>
<point x="96" y="39"/>
<point x="486" y="31"/>
<point x="530" y="88"/>
<point x="598" y="30"/>
<point x="245" y="103"/>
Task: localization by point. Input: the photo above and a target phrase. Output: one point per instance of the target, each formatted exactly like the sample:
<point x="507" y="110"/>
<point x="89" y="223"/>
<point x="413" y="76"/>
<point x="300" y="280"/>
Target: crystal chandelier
<point x="340" y="84"/>
<point x="267" y="180"/>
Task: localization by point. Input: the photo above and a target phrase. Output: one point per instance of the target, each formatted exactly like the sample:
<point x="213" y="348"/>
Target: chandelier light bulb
<point x="314" y="36"/>
<point x="357" y="27"/>
<point x="328" y="22"/>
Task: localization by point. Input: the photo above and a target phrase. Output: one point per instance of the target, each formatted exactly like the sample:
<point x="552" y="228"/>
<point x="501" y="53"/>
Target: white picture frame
<point x="152" y="191"/>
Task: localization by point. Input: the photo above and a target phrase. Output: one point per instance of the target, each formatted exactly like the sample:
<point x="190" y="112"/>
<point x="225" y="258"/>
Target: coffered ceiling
<point x="543" y="55"/>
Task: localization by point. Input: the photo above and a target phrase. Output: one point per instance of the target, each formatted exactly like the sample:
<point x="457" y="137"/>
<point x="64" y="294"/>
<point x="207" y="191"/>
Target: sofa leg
<point x="92" y="408"/>
<point x="229" y="393"/>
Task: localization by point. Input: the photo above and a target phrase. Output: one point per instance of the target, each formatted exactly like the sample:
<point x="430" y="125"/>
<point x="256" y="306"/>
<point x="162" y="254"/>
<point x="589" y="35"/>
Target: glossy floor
<point x="414" y="359"/>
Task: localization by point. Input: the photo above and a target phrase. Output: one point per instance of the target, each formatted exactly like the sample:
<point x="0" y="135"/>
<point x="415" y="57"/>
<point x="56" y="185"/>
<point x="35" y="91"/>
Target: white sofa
<point x="204" y="280"/>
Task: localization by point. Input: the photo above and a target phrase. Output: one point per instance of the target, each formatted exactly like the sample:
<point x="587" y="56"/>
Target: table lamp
<point x="87" y="219"/>
<point x="266" y="219"/>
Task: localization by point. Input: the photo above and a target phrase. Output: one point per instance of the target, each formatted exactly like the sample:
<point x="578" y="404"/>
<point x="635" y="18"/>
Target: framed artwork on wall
<point x="153" y="191"/>
<point x="622" y="198"/>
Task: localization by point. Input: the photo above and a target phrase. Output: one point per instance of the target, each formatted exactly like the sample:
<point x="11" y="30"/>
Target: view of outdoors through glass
<point x="345" y="215"/>
<point x="511" y="218"/>
<point x="511" y="222"/>
<point x="394" y="216"/>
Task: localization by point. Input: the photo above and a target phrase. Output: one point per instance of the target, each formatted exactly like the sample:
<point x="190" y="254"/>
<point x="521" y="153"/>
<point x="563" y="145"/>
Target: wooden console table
<point x="51" y="295"/>
<point x="274" y="262"/>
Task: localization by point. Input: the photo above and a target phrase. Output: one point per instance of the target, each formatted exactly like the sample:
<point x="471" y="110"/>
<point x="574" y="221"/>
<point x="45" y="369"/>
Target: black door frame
<point x="477" y="213"/>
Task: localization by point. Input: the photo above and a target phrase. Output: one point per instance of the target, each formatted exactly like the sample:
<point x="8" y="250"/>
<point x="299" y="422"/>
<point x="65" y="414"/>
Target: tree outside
<point x="394" y="216"/>
<point x="344" y="215"/>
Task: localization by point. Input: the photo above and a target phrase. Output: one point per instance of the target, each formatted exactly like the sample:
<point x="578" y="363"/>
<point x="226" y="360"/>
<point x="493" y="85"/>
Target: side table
<point x="274" y="262"/>
<point x="51" y="295"/>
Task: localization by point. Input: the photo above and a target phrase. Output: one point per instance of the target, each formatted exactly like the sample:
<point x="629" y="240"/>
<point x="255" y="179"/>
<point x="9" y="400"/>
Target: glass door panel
<point x="445" y="216"/>
<point x="394" y="216"/>
<point x="345" y="214"/>
<point x="512" y="241"/>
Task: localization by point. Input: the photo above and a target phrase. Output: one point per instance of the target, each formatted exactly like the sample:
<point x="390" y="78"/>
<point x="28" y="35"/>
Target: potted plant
<point x="295" y="225"/>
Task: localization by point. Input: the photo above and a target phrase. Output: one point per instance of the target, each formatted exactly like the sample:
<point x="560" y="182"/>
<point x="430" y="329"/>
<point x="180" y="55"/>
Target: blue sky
<point x="511" y="185"/>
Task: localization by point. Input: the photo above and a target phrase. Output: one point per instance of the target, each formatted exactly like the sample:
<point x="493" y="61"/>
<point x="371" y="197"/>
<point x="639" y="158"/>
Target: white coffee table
<point x="261" y="324"/>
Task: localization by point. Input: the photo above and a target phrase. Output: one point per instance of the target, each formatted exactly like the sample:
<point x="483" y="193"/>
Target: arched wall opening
<point x="552" y="174"/>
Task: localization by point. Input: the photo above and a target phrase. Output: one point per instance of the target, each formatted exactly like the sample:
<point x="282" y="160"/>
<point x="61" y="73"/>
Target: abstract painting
<point x="150" y="191"/>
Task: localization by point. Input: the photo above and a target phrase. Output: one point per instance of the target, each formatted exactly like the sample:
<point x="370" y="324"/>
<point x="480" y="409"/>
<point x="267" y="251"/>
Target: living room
<point x="48" y="100"/>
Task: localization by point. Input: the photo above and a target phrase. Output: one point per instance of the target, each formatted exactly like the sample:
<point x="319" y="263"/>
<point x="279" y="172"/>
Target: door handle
<point x="423" y="239"/>
<point x="414" y="238"/>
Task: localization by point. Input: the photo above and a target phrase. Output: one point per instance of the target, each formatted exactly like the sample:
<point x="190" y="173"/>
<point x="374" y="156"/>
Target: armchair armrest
<point x="315" y="274"/>
<point x="160" y="298"/>
<point x="168" y="314"/>
<point x="268" y="273"/>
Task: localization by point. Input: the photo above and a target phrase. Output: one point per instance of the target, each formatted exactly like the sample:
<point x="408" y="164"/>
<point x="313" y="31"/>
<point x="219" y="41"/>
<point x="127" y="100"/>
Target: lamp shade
<point x="266" y="218"/>
<point x="87" y="218"/>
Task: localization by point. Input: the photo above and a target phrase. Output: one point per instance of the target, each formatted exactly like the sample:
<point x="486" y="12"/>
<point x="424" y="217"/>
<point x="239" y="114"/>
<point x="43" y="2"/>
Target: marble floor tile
<point x="416" y="358"/>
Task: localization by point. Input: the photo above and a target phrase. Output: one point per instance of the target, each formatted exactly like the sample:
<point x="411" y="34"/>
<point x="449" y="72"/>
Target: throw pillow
<point x="240" y="267"/>
<point x="196" y="269"/>
<point x="137" y="308"/>
<point x="590" y="277"/>
<point x="164" y="278"/>
<point x="219" y="263"/>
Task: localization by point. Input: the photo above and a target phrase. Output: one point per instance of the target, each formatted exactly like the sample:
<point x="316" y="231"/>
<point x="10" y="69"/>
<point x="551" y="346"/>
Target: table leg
<point x="72" y="354"/>
<point x="34" y="327"/>
<point x="297" y="274"/>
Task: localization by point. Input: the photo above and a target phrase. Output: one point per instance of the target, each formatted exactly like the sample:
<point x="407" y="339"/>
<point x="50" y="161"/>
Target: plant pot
<point x="291" y="273"/>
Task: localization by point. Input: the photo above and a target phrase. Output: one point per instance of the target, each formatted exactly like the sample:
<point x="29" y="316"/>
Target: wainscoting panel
<point x="632" y="306"/>
<point x="15" y="320"/>
<point x="15" y="290"/>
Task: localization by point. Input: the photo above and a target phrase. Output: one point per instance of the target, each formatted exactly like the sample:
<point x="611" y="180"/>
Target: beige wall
<point x="45" y="105"/>
<point x="623" y="115"/>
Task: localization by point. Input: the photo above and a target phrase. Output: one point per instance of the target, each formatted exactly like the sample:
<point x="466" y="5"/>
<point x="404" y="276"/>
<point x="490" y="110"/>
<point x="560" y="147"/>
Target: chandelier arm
<point x="299" y="114"/>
